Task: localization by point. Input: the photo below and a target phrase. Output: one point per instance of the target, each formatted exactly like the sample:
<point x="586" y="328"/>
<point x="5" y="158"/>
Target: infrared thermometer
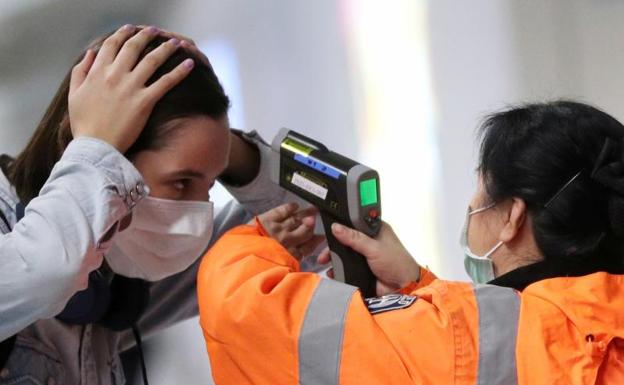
<point x="342" y="189"/>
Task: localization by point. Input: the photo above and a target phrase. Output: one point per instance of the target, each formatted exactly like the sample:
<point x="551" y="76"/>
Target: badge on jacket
<point x="389" y="302"/>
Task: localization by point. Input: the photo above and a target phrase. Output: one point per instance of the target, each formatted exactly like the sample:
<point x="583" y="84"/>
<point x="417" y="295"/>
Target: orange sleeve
<point x="426" y="277"/>
<point x="433" y="341"/>
<point x="252" y="308"/>
<point x="253" y="301"/>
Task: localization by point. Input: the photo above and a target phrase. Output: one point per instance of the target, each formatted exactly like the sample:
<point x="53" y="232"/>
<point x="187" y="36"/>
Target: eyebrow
<point x="190" y="173"/>
<point x="185" y="173"/>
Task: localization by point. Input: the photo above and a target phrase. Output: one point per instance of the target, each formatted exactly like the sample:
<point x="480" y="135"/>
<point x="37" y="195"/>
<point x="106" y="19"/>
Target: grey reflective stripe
<point x="320" y="340"/>
<point x="499" y="309"/>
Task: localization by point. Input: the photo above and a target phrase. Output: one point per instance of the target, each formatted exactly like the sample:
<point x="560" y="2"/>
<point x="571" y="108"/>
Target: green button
<point x="368" y="192"/>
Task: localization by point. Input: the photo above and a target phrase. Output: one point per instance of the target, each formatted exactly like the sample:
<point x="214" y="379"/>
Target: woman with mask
<point x="544" y="229"/>
<point x="146" y="213"/>
<point x="48" y="255"/>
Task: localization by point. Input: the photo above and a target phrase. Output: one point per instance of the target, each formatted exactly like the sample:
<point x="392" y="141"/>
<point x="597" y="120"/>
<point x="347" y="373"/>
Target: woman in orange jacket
<point x="545" y="230"/>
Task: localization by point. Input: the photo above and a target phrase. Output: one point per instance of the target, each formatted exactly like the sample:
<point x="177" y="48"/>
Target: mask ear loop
<point x="465" y="234"/>
<point x="480" y="209"/>
<point x="489" y="253"/>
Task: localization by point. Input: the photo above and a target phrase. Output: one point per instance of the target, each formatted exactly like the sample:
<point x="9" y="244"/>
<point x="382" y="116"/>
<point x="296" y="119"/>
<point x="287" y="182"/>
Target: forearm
<point x="251" y="295"/>
<point x="260" y="194"/>
<point x="244" y="161"/>
<point x="255" y="304"/>
<point x="49" y="253"/>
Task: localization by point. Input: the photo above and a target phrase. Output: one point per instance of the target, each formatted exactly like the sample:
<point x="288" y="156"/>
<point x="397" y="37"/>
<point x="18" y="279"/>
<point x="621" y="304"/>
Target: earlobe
<point x="515" y="220"/>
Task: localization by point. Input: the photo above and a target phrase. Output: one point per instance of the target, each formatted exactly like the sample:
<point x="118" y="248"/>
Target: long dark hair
<point x="199" y="94"/>
<point x="533" y="151"/>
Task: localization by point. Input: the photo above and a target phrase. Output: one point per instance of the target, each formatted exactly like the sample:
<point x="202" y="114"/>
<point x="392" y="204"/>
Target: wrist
<point x="121" y="147"/>
<point x="260" y="227"/>
<point x="244" y="162"/>
<point x="413" y="274"/>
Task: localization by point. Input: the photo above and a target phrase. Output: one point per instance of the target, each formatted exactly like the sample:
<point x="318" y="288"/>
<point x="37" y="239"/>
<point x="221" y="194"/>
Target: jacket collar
<point x="524" y="276"/>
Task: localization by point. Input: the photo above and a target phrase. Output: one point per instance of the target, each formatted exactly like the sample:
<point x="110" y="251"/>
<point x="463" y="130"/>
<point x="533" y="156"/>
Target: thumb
<point x="354" y="239"/>
<point x="80" y="71"/>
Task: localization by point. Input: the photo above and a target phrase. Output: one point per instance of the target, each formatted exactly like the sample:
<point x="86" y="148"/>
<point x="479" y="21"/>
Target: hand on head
<point x="108" y="98"/>
<point x="185" y="42"/>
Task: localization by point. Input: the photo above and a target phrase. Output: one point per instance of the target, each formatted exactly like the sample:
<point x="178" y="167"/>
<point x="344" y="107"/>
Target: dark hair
<point x="199" y="94"/>
<point x="532" y="151"/>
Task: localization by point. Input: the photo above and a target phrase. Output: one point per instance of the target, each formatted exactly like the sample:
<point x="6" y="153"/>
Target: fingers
<point x="302" y="241"/>
<point x="193" y="48"/>
<point x="324" y="257"/>
<point x="111" y="46"/>
<point x="291" y="223"/>
<point x="281" y="213"/>
<point x="186" y="43"/>
<point x="170" y="34"/>
<point x="309" y="221"/>
<point x="272" y="219"/>
<point x="300" y="235"/>
<point x="297" y="237"/>
<point x="166" y="82"/>
<point x="80" y="71"/>
<point x="174" y="35"/>
<point x="307" y="215"/>
<point x="383" y="288"/>
<point x="131" y="50"/>
<point x="150" y="63"/>
<point x="356" y="240"/>
<point x="308" y="247"/>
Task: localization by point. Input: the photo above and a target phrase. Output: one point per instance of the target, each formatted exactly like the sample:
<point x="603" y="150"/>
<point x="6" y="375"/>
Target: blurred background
<point x="400" y="85"/>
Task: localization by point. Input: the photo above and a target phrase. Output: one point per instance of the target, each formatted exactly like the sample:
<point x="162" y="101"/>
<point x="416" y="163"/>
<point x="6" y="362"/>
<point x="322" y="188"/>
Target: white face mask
<point x="164" y="238"/>
<point x="479" y="268"/>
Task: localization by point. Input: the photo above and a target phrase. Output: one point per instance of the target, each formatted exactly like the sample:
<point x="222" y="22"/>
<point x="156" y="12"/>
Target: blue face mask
<point x="479" y="268"/>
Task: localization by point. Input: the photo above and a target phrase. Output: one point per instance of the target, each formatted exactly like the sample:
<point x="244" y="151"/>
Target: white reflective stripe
<point x="320" y="340"/>
<point x="499" y="309"/>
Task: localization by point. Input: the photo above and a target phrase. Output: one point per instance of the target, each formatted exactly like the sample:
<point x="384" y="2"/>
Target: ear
<point x="515" y="220"/>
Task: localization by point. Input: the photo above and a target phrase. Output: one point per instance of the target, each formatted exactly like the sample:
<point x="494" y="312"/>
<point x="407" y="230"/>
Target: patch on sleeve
<point x="389" y="302"/>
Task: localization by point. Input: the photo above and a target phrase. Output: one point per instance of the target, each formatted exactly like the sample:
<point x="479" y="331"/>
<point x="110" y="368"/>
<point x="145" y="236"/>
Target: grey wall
<point x="488" y="54"/>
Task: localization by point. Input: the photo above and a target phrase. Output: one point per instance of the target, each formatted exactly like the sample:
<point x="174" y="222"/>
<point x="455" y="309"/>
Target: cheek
<point x="198" y="191"/>
<point x="481" y="236"/>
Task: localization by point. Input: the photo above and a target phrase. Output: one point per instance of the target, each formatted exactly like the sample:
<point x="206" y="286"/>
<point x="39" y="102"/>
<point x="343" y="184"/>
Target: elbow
<point x="60" y="286"/>
<point x="57" y="283"/>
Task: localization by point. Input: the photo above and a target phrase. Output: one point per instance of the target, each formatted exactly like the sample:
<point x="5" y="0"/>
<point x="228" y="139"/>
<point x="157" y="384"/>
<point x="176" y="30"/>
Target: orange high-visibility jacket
<point x="266" y="323"/>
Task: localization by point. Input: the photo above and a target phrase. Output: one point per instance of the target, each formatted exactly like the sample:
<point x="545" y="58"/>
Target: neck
<point x="507" y="262"/>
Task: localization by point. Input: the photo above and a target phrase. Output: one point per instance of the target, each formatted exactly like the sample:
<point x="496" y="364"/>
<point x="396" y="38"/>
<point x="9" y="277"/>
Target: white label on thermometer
<point x="309" y="186"/>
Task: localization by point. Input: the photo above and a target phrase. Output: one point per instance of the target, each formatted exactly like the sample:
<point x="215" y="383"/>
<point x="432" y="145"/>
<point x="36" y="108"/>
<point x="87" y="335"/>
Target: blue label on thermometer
<point x="318" y="165"/>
